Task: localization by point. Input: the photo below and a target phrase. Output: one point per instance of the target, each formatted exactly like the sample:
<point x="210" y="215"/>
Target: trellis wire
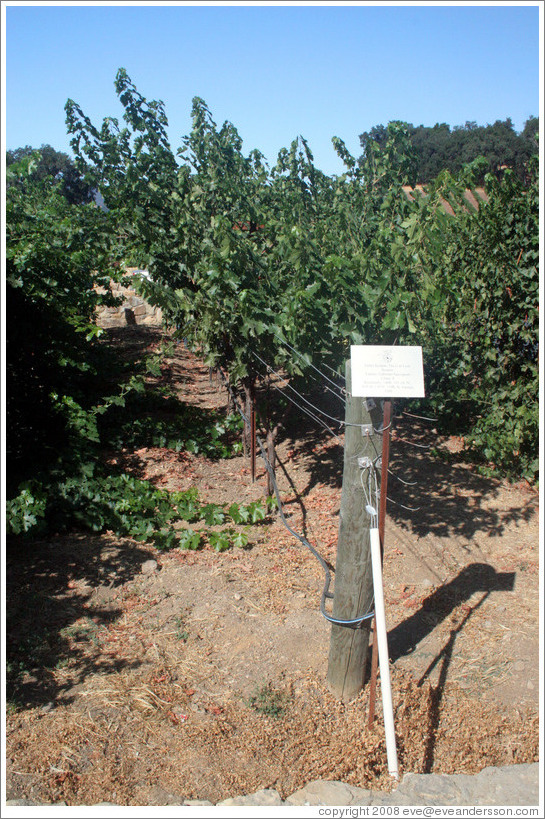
<point x="352" y="623"/>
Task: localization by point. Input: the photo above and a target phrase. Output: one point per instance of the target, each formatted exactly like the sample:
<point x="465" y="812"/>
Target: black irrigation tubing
<point x="353" y="623"/>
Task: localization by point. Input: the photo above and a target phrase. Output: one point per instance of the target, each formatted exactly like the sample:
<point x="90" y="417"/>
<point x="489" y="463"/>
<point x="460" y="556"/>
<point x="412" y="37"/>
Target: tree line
<point x="435" y="149"/>
<point x="442" y="148"/>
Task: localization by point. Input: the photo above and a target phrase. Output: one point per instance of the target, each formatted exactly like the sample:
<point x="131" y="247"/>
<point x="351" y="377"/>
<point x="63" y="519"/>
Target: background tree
<point x="530" y="132"/>
<point x="439" y="148"/>
<point x="58" y="166"/>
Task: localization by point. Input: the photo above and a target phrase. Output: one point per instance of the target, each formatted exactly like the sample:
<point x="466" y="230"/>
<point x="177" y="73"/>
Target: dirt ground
<point x="204" y="676"/>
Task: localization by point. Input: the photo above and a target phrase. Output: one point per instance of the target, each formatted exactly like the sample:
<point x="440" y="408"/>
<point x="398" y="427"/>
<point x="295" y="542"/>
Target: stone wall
<point x="508" y="785"/>
<point x="133" y="309"/>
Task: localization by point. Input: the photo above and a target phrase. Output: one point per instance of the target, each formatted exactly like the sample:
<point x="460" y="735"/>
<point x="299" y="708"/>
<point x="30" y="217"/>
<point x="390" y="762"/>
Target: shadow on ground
<point x="448" y="497"/>
<point x="477" y="577"/>
<point x="59" y="601"/>
<point x="427" y="493"/>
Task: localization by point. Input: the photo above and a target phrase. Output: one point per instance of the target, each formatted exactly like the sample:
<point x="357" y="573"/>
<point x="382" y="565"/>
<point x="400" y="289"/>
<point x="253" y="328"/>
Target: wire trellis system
<point x="356" y="622"/>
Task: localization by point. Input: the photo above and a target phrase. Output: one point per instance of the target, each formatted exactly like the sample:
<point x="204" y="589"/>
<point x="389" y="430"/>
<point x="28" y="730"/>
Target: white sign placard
<point x="387" y="372"/>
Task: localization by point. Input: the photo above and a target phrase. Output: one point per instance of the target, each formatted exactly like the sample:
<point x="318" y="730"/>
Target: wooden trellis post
<point x="353" y="592"/>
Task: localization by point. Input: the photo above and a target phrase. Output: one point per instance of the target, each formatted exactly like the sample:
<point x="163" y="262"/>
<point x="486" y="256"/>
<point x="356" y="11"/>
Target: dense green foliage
<point x="244" y="257"/>
<point x="219" y="272"/>
<point x="56" y="256"/>
<point x="52" y="164"/>
<point x="131" y="507"/>
<point x="153" y="419"/>
<point x="442" y="148"/>
<point x="492" y="322"/>
<point x="68" y="397"/>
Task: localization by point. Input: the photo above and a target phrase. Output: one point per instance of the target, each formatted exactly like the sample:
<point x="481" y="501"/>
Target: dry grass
<point x="142" y="706"/>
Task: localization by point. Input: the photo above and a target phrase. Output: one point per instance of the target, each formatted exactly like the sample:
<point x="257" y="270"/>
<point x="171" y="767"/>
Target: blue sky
<point x="275" y="71"/>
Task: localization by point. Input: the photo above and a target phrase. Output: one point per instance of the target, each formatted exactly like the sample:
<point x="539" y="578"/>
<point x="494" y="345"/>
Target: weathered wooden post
<point x="353" y="592"/>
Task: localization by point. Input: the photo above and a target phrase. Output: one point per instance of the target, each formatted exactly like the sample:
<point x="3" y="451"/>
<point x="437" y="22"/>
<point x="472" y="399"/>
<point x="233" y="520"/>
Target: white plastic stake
<point x="384" y="663"/>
